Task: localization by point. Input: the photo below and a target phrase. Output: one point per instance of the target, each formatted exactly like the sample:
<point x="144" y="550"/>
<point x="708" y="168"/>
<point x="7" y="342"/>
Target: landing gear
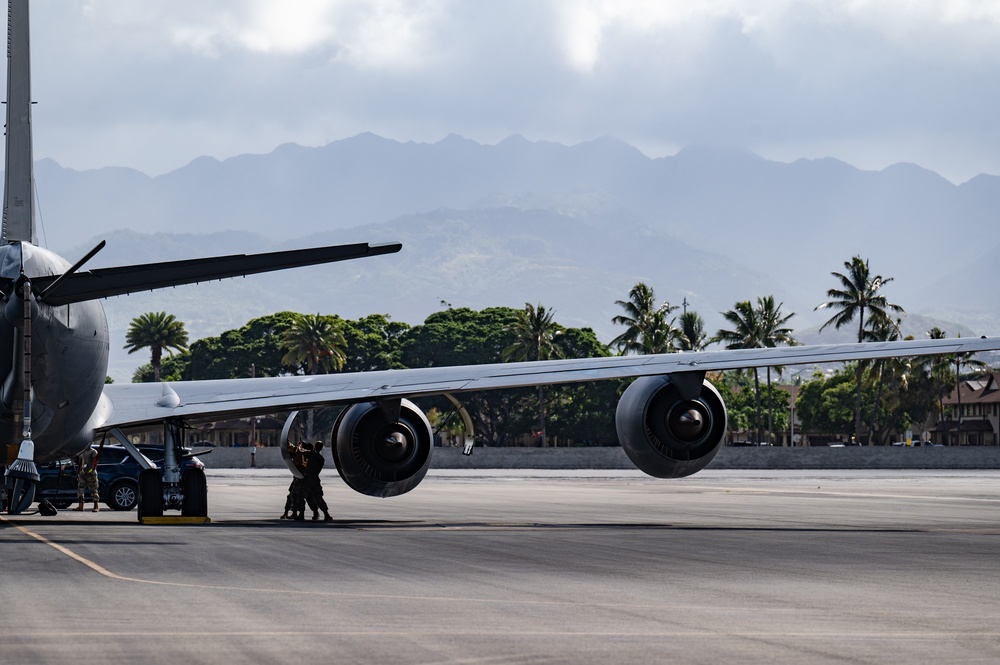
<point x="194" y="489"/>
<point x="167" y="488"/>
<point x="150" y="494"/>
<point x="21" y="479"/>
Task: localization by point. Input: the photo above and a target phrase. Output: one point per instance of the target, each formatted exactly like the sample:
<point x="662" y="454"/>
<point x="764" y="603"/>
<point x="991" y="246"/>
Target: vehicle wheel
<point x="150" y="493"/>
<point x="61" y="505"/>
<point x="195" y="490"/>
<point x="123" y="495"/>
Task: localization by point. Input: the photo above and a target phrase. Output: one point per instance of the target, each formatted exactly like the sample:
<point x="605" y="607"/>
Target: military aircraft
<point x="53" y="400"/>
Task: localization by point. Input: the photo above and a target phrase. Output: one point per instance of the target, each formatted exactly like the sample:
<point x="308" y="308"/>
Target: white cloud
<point x="874" y="81"/>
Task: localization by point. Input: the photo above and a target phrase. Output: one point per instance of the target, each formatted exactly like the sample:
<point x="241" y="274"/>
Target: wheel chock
<point x="175" y="519"/>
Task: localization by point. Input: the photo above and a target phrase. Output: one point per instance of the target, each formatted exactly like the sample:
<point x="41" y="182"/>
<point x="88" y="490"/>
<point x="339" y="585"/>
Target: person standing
<point x="86" y="478"/>
<point x="312" y="487"/>
<point x="294" y="501"/>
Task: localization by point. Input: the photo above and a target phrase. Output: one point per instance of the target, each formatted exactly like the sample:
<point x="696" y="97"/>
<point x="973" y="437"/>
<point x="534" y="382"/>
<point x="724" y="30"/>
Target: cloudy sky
<point x="153" y="84"/>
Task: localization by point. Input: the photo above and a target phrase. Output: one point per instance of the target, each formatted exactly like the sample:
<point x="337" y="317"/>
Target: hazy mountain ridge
<point x="572" y="227"/>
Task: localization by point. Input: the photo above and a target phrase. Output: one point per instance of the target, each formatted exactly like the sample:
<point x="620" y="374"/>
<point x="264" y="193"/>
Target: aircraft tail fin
<point x="19" y="179"/>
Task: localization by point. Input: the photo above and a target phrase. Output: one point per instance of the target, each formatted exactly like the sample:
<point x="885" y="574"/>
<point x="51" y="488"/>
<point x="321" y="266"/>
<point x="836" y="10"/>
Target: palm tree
<point x="156" y="331"/>
<point x="745" y="334"/>
<point x="773" y="333"/>
<point x="536" y="338"/>
<point x="896" y="370"/>
<point x="316" y="344"/>
<point x="757" y="327"/>
<point x="648" y="329"/>
<point x="963" y="360"/>
<point x="859" y="293"/>
<point x="692" y="335"/>
<point x="939" y="368"/>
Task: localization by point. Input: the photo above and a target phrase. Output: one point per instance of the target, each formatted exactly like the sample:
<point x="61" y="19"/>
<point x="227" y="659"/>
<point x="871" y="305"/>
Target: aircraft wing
<point x="146" y="403"/>
<point x="58" y="290"/>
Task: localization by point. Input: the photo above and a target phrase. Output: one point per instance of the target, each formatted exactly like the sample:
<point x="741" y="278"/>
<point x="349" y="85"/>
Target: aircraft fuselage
<point x="67" y="342"/>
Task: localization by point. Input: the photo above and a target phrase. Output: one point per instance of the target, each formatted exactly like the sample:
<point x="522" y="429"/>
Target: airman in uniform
<point x="86" y="478"/>
<point x="312" y="488"/>
<point x="295" y="502"/>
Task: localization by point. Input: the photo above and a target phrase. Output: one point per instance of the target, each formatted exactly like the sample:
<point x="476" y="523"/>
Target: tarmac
<point x="524" y="567"/>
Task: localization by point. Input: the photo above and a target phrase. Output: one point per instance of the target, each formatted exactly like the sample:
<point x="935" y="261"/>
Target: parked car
<point x="117" y="475"/>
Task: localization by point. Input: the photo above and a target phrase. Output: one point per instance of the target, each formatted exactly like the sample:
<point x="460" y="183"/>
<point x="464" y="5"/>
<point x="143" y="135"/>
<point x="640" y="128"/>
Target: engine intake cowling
<point x="378" y="456"/>
<point x="670" y="428"/>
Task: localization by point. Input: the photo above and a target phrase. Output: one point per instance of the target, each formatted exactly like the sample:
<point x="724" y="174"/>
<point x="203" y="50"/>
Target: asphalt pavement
<point x="524" y="567"/>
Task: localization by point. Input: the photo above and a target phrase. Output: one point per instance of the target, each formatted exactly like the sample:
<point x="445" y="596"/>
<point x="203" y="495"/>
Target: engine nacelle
<point x="671" y="427"/>
<point x="378" y="456"/>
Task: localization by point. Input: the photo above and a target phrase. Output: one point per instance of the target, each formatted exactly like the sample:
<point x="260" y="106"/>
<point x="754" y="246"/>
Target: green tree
<point x="158" y="332"/>
<point x="692" y="335"/>
<point x="968" y="361"/>
<point x="373" y="343"/>
<point x="939" y="368"/>
<point x="648" y="330"/>
<point x="893" y="373"/>
<point x="773" y="333"/>
<point x="859" y="294"/>
<point x="463" y="336"/>
<point x="315" y="344"/>
<point x="257" y="344"/>
<point x="536" y="337"/>
<point x="757" y="327"/>
<point x="584" y="412"/>
<point x="825" y="404"/>
<point x="744" y="334"/>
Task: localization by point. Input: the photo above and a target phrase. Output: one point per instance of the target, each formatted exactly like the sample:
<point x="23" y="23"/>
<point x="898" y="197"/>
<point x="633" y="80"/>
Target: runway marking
<point x="65" y="550"/>
<point x="101" y="570"/>
<point x="819" y="492"/>
<point x="699" y="634"/>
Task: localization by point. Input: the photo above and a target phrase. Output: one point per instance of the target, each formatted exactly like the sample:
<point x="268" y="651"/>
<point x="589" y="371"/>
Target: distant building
<point x="974" y="418"/>
<point x="265" y="430"/>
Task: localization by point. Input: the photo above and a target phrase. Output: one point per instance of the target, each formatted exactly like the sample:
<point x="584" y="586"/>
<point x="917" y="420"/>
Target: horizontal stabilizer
<point x="107" y="282"/>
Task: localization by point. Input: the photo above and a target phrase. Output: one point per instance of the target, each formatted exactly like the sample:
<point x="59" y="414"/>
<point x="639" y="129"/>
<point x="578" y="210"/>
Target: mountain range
<point x="570" y="227"/>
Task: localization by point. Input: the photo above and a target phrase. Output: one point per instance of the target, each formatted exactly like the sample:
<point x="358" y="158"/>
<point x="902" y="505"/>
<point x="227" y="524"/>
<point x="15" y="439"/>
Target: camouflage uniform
<point x="295" y="501"/>
<point x="312" y="488"/>
<point x="86" y="476"/>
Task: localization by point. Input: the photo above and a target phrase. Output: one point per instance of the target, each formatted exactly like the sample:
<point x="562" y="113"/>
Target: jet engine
<point x="671" y="426"/>
<point x="381" y="450"/>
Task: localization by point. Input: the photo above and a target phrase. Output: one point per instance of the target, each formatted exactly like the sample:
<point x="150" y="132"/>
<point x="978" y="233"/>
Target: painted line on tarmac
<point x="101" y="570"/>
<point x="818" y="491"/>
<point x="66" y="551"/>
<point x="917" y="636"/>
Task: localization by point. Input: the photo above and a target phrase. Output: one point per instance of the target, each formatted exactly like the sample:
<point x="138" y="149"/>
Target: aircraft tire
<point x="150" y="494"/>
<point x="195" y="490"/>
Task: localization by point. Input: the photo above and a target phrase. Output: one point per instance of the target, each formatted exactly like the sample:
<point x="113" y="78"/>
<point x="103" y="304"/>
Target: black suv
<point x="117" y="474"/>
